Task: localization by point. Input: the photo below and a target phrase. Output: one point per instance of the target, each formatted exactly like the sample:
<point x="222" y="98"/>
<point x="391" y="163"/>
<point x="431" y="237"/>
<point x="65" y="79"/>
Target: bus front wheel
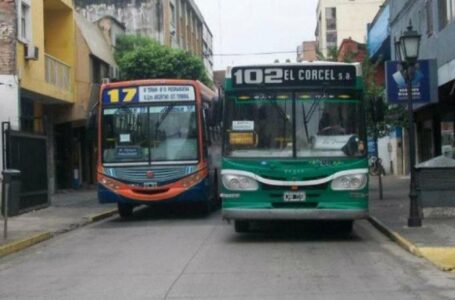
<point x="125" y="210"/>
<point x="241" y="226"/>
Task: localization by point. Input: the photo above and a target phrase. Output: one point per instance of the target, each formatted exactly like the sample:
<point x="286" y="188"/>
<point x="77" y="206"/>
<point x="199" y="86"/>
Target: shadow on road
<point x="263" y="231"/>
<point x="161" y="212"/>
<point x="285" y="231"/>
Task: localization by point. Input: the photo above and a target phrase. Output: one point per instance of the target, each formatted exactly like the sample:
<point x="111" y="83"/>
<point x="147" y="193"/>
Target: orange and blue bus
<point x="153" y="139"/>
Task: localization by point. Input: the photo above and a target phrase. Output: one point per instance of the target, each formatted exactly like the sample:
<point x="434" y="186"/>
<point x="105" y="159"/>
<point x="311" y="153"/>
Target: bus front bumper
<point x="293" y="214"/>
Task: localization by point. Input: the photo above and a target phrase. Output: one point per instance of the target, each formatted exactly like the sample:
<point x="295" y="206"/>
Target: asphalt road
<point x="161" y="254"/>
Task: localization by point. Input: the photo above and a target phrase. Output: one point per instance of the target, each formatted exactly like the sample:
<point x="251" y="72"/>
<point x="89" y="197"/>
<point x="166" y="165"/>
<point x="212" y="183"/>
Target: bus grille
<point x="319" y="187"/>
<point x="161" y="175"/>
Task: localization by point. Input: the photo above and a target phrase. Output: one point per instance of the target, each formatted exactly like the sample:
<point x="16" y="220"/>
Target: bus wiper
<point x="315" y="104"/>
<point x="305" y="123"/>
<point x="164" y="116"/>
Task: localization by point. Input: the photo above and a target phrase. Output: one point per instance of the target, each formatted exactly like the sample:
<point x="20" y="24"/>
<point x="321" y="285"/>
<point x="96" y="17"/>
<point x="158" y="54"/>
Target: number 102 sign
<point x="333" y="75"/>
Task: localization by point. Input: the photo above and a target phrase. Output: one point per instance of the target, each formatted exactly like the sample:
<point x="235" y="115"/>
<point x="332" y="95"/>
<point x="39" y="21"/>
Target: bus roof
<point x="149" y="82"/>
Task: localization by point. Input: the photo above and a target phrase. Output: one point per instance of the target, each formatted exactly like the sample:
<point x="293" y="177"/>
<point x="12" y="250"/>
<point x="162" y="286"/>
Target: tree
<point x="140" y="57"/>
<point x="380" y="115"/>
<point x="332" y="54"/>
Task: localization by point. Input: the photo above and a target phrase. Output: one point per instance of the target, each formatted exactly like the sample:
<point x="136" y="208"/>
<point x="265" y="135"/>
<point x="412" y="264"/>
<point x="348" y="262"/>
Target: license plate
<point x="294" y="197"/>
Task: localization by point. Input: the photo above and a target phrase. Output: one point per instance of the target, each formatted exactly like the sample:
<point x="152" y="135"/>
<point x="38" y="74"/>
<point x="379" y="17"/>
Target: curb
<point x="394" y="236"/>
<point x="441" y="257"/>
<point x="18" y="245"/>
<point x="102" y="216"/>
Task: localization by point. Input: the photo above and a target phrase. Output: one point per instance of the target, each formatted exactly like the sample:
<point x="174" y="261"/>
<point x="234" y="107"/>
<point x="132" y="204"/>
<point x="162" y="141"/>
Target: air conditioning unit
<point x="31" y="52"/>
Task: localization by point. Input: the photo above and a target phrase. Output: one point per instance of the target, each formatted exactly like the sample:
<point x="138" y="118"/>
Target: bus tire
<point x="125" y="210"/>
<point x="241" y="226"/>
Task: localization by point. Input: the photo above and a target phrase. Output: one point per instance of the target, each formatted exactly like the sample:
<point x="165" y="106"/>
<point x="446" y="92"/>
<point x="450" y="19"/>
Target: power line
<point x="254" y="53"/>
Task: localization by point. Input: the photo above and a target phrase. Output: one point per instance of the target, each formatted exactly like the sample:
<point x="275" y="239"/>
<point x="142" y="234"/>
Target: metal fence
<point x="27" y="152"/>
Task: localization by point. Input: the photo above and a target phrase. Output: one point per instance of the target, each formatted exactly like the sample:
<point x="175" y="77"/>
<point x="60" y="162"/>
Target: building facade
<point x="435" y="21"/>
<point x="393" y="147"/>
<point x="307" y="51"/>
<point x="342" y="19"/>
<point x="207" y="50"/>
<point x="37" y="75"/>
<point x="76" y="144"/>
<point x="49" y="69"/>
<point x="351" y="51"/>
<point x="174" y="23"/>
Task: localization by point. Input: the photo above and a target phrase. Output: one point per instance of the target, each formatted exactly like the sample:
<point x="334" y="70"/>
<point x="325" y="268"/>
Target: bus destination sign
<point x="166" y="93"/>
<point x="151" y="93"/>
<point x="305" y="76"/>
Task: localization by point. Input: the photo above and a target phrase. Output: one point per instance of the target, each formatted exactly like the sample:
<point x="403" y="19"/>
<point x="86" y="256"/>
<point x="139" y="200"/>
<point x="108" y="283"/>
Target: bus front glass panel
<point x="125" y="134"/>
<point x="328" y="127"/>
<point x="262" y="125"/>
<point x="160" y="133"/>
<point x="173" y="133"/>
<point x="259" y="125"/>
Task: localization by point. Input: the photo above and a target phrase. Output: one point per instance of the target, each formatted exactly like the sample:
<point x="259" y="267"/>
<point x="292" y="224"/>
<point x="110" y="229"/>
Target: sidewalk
<point x="68" y="210"/>
<point x="435" y="240"/>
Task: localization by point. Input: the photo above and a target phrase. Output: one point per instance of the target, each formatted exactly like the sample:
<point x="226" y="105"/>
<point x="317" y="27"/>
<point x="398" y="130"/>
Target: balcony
<point x="57" y="73"/>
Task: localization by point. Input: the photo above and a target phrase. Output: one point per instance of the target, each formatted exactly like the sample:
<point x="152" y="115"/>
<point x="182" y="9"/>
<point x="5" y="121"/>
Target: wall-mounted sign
<point x="424" y="83"/>
<point x="306" y="76"/>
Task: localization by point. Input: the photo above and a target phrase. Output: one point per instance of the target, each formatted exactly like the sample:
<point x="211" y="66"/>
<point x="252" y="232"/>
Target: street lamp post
<point x="407" y="52"/>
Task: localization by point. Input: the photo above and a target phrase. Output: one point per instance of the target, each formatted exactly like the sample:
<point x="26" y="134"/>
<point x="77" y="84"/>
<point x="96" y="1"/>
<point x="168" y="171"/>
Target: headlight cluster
<point x="110" y="183"/>
<point x="349" y="182"/>
<point x="191" y="180"/>
<point x="239" y="183"/>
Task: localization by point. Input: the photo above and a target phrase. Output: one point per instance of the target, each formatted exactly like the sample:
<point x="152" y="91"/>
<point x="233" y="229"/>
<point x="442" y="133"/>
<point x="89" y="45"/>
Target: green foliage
<point x="140" y="57"/>
<point x="394" y="115"/>
<point x="332" y="54"/>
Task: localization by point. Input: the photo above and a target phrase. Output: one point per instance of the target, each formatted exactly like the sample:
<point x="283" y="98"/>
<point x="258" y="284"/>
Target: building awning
<point x="94" y="38"/>
<point x="379" y="35"/>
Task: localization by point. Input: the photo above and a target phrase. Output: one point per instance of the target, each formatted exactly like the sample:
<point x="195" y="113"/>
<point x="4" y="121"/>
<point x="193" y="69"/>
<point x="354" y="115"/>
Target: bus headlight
<point x="239" y="183"/>
<point x="110" y="183"/>
<point x="349" y="182"/>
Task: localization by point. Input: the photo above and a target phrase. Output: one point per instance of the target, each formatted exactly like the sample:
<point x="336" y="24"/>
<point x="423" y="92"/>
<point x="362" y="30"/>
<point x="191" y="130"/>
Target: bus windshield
<point x="287" y="125"/>
<point x="159" y="133"/>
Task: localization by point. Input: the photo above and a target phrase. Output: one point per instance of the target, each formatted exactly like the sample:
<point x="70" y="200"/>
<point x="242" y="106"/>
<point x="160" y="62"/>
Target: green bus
<point x="294" y="145"/>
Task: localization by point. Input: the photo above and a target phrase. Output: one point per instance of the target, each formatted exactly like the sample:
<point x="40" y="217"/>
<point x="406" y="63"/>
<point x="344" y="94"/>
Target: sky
<point x="258" y="26"/>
